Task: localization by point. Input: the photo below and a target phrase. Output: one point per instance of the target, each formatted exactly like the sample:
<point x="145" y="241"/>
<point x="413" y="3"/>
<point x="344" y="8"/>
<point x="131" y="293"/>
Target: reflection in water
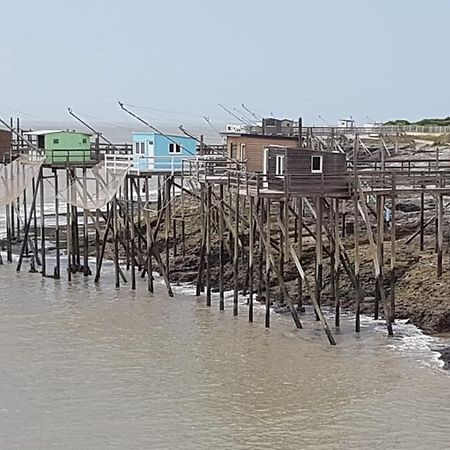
<point x="86" y="366"/>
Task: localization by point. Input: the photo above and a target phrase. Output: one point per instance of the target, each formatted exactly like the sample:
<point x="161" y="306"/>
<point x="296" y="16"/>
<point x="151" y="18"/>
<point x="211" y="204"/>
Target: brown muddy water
<point x="85" y="366"/>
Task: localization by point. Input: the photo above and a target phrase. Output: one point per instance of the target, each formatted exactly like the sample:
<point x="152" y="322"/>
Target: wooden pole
<point x="221" y="250"/>
<point x="356" y="236"/>
<point x="208" y="244"/>
<point x="42" y="206"/>
<point x="86" y="269"/>
<point x="393" y="248"/>
<point x="440" y="236"/>
<point x="319" y="251"/>
<point x="132" y="235"/>
<point x="267" y="317"/>
<point x="250" y="257"/>
<point x="236" y="255"/>
<point x="337" y="299"/>
<point x="300" y="250"/>
<point x="57" y="270"/>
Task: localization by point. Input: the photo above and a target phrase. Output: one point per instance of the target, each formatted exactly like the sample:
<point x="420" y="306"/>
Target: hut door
<point x="265" y="167"/>
<point x="279" y="165"/>
<point x="151" y="154"/>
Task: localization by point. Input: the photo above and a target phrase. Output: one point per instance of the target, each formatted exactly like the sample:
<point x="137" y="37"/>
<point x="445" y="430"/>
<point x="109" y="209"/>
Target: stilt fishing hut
<point x="161" y="152"/>
<point x="307" y="172"/>
<point x="58" y="146"/>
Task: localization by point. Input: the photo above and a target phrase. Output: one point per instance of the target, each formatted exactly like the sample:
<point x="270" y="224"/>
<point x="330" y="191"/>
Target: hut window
<point x="242" y="152"/>
<point x="316" y="164"/>
<point x="279" y="165"/>
<point x="84" y="141"/>
<point x="174" y="148"/>
<point x="139" y="148"/>
<point x="56" y="141"/>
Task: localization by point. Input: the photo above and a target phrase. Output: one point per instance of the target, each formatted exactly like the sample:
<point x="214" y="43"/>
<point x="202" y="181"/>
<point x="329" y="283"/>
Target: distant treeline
<point x="424" y="122"/>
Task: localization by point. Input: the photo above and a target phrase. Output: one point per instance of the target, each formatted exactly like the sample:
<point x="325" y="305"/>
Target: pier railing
<point x="146" y="164"/>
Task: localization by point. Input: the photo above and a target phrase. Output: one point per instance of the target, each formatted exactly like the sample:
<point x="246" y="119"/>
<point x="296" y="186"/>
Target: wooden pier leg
<point x="268" y="237"/>
<point x="42" y="206"/>
<point x="97" y="229"/>
<point x="25" y="215"/>
<point x="132" y="236"/>
<point x="201" y="262"/>
<point x="221" y="251"/>
<point x="357" y="262"/>
<point x="281" y="246"/>
<point x="116" y="241"/>
<point x="337" y="298"/>
<point x="126" y="212"/>
<point x="35" y="226"/>
<point x="208" y="244"/>
<point x="236" y="255"/>
<point x="57" y="270"/>
<point x="251" y="245"/>
<point x="393" y="248"/>
<point x="139" y="219"/>
<point x="259" y="287"/>
<point x="300" y="251"/>
<point x="174" y="225"/>
<point x="69" y="226"/>
<point x="422" y="220"/>
<point x="183" y="236"/>
<point x="319" y="251"/>
<point x="440" y="236"/>
<point x="167" y="201"/>
<point x="86" y="269"/>
<point x="149" y="253"/>
<point x="380" y="252"/>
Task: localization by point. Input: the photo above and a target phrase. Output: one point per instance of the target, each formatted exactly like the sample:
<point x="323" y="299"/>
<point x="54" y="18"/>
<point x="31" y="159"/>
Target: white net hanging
<point x="16" y="176"/>
<point x="94" y="188"/>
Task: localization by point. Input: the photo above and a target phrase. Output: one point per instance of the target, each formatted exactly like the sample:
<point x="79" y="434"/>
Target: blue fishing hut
<point x="161" y="153"/>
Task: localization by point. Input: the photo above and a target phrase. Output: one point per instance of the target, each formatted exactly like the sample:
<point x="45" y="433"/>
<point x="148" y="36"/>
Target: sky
<point x="175" y="60"/>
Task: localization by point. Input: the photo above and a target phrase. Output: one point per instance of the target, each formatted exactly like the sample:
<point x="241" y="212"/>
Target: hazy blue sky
<point x="380" y="59"/>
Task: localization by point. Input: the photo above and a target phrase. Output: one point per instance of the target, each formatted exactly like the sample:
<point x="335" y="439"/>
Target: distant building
<point x="63" y="146"/>
<point x="249" y="148"/>
<point x="5" y="144"/>
<point x="346" y="123"/>
<point x="158" y="152"/>
<point x="279" y="127"/>
<point x="235" y="128"/>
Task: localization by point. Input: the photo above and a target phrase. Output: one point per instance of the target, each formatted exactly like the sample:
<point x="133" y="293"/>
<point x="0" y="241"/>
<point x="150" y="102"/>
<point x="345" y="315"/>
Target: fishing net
<point x="93" y="188"/>
<point x="16" y="176"/>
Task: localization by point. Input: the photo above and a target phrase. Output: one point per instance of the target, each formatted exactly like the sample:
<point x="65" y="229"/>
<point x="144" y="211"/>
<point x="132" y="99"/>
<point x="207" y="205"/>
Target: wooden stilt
<point x="57" y="270"/>
<point x="42" y="208"/>
<point x="208" y="244"/>
<point x="319" y="251"/>
<point x="236" y="255"/>
<point x="221" y="250"/>
<point x="393" y="247"/>
<point x="251" y="245"/>
<point x="337" y="299"/>
<point x="267" y="275"/>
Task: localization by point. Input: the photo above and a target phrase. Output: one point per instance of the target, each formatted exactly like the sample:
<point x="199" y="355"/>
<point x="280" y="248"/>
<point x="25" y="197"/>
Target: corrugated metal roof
<point x="41" y="132"/>
<point x="44" y="132"/>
